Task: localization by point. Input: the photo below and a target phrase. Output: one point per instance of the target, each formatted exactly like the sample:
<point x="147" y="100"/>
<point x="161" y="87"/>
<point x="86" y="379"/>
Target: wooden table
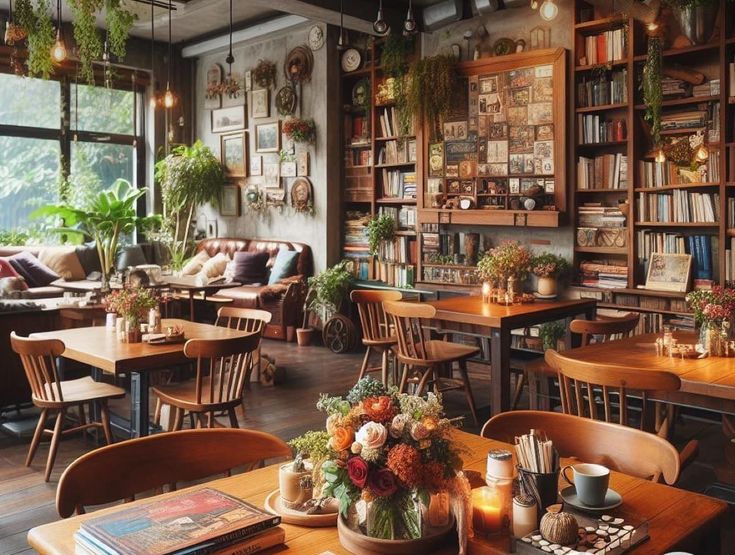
<point x="188" y="285"/>
<point x="677" y="519"/>
<point x="99" y="348"/>
<point x="495" y="321"/>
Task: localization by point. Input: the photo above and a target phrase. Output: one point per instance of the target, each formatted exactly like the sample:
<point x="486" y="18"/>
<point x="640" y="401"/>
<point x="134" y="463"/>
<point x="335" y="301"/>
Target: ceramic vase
<point x="546" y="286"/>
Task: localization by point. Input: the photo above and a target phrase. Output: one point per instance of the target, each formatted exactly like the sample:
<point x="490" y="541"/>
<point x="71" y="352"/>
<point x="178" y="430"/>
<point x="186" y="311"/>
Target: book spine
<point x="254" y="544"/>
<point x="234" y="536"/>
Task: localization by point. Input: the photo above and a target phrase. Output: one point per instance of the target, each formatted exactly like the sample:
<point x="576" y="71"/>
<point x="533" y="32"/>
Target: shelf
<point x="624" y="308"/>
<point x="359" y="145"/>
<point x="590" y="191"/>
<point x="602" y="24"/>
<point x="683" y="101"/>
<point x="448" y="266"/>
<point x="677" y="186"/>
<point x="616" y="63"/>
<point x="602" y="250"/>
<point x="672" y="52"/>
<point x="677" y="224"/>
<point x="363" y="71"/>
<point x="682" y="131"/>
<point x="602" y="108"/>
<point x="399" y="165"/>
<point x="405" y="233"/>
<point x="363" y="166"/>
<point x="390" y="200"/>
<point x="610" y="143"/>
<point x="394" y="138"/>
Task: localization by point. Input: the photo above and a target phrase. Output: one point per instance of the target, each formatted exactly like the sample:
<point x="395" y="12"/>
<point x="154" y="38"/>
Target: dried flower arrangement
<point x="509" y="259"/>
<point x="300" y="130"/>
<point x="131" y="303"/>
<point x="264" y="74"/>
<point x="548" y="265"/>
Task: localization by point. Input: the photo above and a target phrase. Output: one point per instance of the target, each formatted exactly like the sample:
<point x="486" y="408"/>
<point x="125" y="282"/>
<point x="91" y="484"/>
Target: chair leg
<point x="178" y="420"/>
<point x="157" y="412"/>
<point x="520" y="382"/>
<point x="428" y="372"/>
<point x="82" y="415"/>
<point x="468" y="389"/>
<point x="105" y="418"/>
<point x="403" y="368"/>
<point x="365" y="362"/>
<point x="233" y="418"/>
<point x="384" y="367"/>
<point x="37" y="436"/>
<point x="54" y="444"/>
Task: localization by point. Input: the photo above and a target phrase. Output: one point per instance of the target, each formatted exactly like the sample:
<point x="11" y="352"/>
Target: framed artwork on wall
<point x="233" y="154"/>
<point x="302" y="163"/>
<point x="230" y="201"/>
<point x="213" y="96"/>
<point x="256" y="165"/>
<point x="288" y="169"/>
<point x="211" y="229"/>
<point x="261" y="103"/>
<point x="232" y="118"/>
<point x="268" y="137"/>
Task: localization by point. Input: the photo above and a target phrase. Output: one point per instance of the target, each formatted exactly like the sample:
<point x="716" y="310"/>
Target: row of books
<point x="447" y="245"/>
<point x="402" y="250"/>
<point x="678" y="206"/>
<point x="355" y="240"/>
<point x="608" y="171"/>
<point x="606" y="89"/>
<point x="358" y="157"/>
<point x="608" y="46"/>
<point x="397" y="152"/>
<point x="388" y="118"/>
<point x="362" y="266"/>
<point x="456" y="276"/>
<point x="396" y="275"/>
<point x="730" y="262"/>
<point x="602" y="274"/>
<point x="404" y="216"/>
<point x="357" y="128"/>
<point x="651" y="303"/>
<point x="592" y="128"/>
<point x="399" y="184"/>
<point x="730" y="212"/>
<point x="687" y="119"/>
<point x="596" y="215"/>
<point x="708" y="88"/>
<point x="674" y="87"/>
<point x="661" y="174"/>
<point x="703" y="249"/>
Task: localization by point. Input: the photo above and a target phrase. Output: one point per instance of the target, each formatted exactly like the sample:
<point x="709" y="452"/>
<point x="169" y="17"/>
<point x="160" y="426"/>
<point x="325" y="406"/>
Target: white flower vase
<point x="546" y="286"/>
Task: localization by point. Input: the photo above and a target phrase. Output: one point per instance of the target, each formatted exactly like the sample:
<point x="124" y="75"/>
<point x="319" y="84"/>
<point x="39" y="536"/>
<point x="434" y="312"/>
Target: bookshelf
<point x="663" y="208"/>
<point x="379" y="173"/>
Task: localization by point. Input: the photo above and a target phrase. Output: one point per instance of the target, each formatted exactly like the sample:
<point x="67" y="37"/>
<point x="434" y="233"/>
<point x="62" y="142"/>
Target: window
<point x="30" y="102"/>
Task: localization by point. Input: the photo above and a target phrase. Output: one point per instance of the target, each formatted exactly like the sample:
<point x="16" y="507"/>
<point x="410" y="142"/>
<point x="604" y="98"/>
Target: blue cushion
<point x="284" y="266"/>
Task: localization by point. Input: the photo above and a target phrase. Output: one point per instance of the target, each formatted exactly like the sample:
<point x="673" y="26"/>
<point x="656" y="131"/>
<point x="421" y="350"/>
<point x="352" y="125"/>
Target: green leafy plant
<point x="86" y="35"/>
<point x="40" y="35"/>
<point x="550" y="333"/>
<point x="430" y="89"/>
<point x="330" y="289"/>
<point x="549" y="265"/>
<point x="394" y="58"/>
<point x="189" y="177"/>
<point x="313" y="444"/>
<point x="381" y="228"/>
<point x="14" y="237"/>
<point x="264" y="74"/>
<point x="119" y="22"/>
<point x="651" y="86"/>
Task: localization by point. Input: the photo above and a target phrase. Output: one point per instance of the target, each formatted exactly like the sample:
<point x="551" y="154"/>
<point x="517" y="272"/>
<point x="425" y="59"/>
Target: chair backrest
<point x="580" y="382"/>
<point x="39" y="362"/>
<point x="250" y="320"/>
<point x="410" y="333"/>
<point x="122" y="470"/>
<point x="373" y="320"/>
<point x="605" y="327"/>
<point x="627" y="450"/>
<point x="222" y="366"/>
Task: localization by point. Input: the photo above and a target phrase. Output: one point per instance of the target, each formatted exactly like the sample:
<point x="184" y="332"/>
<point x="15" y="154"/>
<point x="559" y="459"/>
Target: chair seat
<point x="82" y="390"/>
<point x="446" y="351"/>
<point x="384" y="342"/>
<point x="183" y="395"/>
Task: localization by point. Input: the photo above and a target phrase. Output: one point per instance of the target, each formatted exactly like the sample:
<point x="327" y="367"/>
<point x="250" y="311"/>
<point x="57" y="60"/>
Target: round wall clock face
<point x="316" y="37"/>
<point x="351" y="60"/>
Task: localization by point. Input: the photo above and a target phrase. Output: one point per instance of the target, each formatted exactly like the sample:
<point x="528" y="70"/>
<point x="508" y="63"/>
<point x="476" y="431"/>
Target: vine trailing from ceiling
<point x="430" y="88"/>
<point x="86" y="35"/>
<point x="40" y="35"/>
<point x="651" y="85"/>
<point x="394" y="58"/>
<point x="119" y="22"/>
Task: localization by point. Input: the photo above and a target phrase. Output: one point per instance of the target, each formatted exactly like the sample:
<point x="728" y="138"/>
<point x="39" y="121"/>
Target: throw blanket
<point x="276" y="291"/>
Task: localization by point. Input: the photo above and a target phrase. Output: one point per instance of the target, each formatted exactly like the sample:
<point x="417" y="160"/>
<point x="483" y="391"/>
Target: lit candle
<point x="487" y="512"/>
<point x="486" y="292"/>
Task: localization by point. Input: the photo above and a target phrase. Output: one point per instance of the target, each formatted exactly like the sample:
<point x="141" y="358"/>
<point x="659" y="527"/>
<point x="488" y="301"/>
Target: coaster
<point x="612" y="499"/>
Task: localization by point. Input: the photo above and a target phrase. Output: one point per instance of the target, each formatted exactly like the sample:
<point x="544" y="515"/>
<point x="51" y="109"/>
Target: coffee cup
<point x="590" y="481"/>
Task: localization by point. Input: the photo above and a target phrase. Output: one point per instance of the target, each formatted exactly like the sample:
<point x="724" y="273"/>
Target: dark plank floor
<point x="287" y="410"/>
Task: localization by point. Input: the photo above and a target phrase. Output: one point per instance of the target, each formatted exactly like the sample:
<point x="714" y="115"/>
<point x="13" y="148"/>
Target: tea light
<point x="524" y="515"/>
<point x="487" y="511"/>
<point x="486" y="290"/>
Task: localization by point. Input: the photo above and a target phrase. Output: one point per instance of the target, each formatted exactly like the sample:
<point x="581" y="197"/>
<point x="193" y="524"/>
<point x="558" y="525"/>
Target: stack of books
<point x="608" y="46"/>
<point x="683" y="120"/>
<point x="592" y="128"/>
<point x="674" y="87"/>
<point x="603" y="275"/>
<point x="608" y="171"/>
<point x="194" y="522"/>
<point x="701" y="247"/>
<point x="598" y="216"/>
<point x="603" y="90"/>
<point x="356" y="247"/>
<point x="709" y="88"/>
<point x="393" y="152"/>
<point x="398" y="184"/>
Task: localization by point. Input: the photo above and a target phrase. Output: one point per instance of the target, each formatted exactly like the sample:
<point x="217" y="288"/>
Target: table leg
<point x="139" y="404"/>
<point x="499" y="370"/>
<point x="191" y="306"/>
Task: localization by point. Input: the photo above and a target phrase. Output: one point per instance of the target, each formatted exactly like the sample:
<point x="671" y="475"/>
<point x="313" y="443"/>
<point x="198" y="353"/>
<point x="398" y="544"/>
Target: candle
<point x="524" y="515"/>
<point x="487" y="512"/>
<point x="486" y="289"/>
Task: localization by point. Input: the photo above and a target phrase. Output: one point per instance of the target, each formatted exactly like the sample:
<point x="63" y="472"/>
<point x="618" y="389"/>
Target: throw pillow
<point x="88" y="258"/>
<point x="6" y="270"/>
<point x="194" y="264"/>
<point x="250" y="267"/>
<point x="132" y="255"/>
<point x="284" y="266"/>
<point x="215" y="266"/>
<point x="30" y="268"/>
<point x="64" y="261"/>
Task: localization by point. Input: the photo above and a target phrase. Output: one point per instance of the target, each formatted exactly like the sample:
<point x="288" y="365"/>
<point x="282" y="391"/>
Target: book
<point x="195" y="523"/>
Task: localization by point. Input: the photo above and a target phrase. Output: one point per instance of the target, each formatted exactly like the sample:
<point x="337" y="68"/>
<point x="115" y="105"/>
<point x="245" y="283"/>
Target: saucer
<point x="612" y="499"/>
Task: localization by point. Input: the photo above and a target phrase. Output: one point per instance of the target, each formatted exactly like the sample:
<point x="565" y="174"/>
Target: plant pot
<point x="697" y="22"/>
<point x="360" y="544"/>
<point x="546" y="286"/>
<point x="304" y="336"/>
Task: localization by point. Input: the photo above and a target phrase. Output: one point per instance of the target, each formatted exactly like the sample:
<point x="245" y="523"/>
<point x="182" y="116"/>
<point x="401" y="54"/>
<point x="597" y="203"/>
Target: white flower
<point x="419" y="431"/>
<point x="372" y="435"/>
<point x="398" y="424"/>
<point x="356" y="448"/>
<point x="332" y="422"/>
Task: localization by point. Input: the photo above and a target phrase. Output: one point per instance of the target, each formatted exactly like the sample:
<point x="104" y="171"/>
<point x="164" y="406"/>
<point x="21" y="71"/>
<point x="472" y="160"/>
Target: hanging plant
<point x="300" y="130"/>
<point x="264" y="74"/>
<point x="380" y="229"/>
<point x="40" y="29"/>
<point x="394" y="57"/>
<point x="430" y="87"/>
<point x="119" y="21"/>
<point x="651" y="85"/>
<point x="86" y="35"/>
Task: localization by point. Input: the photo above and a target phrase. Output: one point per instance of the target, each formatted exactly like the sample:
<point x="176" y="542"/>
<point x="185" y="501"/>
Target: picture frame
<point x="230" y="201"/>
<point x="302" y="163"/>
<point x="669" y="272"/>
<point x="214" y="78"/>
<point x="268" y="137"/>
<point x="248" y="80"/>
<point x="234" y="154"/>
<point x="212" y="229"/>
<point x="288" y="168"/>
<point x="231" y="118"/>
<point x="256" y="165"/>
<point x="260" y="100"/>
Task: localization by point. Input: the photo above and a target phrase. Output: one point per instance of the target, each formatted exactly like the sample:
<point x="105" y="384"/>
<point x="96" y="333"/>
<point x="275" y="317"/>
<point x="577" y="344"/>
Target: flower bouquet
<point x="392" y="464"/>
<point x="714" y="310"/>
<point x="504" y="264"/>
<point x="132" y="304"/>
<point x="547" y="267"/>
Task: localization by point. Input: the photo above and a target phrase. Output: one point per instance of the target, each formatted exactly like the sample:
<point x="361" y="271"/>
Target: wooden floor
<point x="286" y="410"/>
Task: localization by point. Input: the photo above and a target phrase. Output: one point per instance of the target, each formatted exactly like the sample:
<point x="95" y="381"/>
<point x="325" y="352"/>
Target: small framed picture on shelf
<point x="669" y="272"/>
<point x="233" y="153"/>
<point x="230" y="201"/>
<point x="232" y="118"/>
<point x="268" y="137"/>
<point x="288" y="169"/>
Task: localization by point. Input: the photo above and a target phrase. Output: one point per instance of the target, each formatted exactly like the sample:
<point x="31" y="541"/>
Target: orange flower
<point x="379" y="409"/>
<point x="405" y="462"/>
<point x="342" y="438"/>
<point x="430" y="423"/>
<point x="433" y="476"/>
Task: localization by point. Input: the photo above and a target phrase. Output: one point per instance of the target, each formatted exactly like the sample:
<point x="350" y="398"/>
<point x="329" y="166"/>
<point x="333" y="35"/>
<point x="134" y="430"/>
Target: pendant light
<point x="230" y="59"/>
<point x="380" y="26"/>
<point x="409" y="25"/>
<point x="135" y="111"/>
<point x="549" y="10"/>
<point x="58" y="50"/>
<point x="153" y="102"/>
<point x="169" y="99"/>
<point x="76" y="103"/>
<point x="341" y="41"/>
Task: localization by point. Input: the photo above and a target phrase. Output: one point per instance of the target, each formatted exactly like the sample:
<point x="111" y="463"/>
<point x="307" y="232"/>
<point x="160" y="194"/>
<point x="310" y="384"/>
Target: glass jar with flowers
<point x="547" y="267"/>
<point x="389" y="454"/>
<point x="505" y="266"/>
<point x="132" y="305"/>
<point x="713" y="311"/>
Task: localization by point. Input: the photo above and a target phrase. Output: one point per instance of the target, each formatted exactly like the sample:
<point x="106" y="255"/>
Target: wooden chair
<point x="56" y="397"/>
<point x="620" y="448"/>
<point x="417" y="352"/>
<point x="377" y="334"/>
<point x="221" y="368"/>
<point x="245" y="319"/>
<point x="121" y="471"/>
<point x="605" y="327"/>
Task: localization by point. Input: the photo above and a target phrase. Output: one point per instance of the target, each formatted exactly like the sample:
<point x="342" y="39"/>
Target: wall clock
<point x="316" y="37"/>
<point x="351" y="59"/>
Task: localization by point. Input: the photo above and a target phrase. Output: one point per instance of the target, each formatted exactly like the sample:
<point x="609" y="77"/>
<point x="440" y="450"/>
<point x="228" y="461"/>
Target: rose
<point x="356" y="448"/>
<point x="357" y="470"/>
<point x="342" y="438"/>
<point x="382" y="482"/>
<point x="419" y="431"/>
<point x="430" y="423"/>
<point x="379" y="409"/>
<point x="372" y="435"/>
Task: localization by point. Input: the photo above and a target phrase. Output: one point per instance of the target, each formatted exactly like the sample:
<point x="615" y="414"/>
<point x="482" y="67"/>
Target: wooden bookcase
<point x="712" y="60"/>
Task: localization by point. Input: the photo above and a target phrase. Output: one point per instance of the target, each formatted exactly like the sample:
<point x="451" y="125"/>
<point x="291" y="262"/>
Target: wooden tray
<point x="359" y="544"/>
<point x="290" y="516"/>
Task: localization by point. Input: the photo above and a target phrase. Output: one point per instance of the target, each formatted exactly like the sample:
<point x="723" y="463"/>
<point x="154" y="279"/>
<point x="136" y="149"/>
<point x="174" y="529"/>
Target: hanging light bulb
<point x="341" y="41"/>
<point x="653" y="26"/>
<point x="153" y="101"/>
<point x="660" y="156"/>
<point x="229" y="60"/>
<point x="169" y="98"/>
<point x="409" y="25"/>
<point x="534" y="4"/>
<point x="380" y="26"/>
<point x="549" y="10"/>
<point x="702" y="153"/>
<point x="58" y="50"/>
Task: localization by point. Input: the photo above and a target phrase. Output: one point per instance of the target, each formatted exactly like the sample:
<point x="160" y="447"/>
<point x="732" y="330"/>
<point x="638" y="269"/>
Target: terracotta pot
<point x="303" y="336"/>
<point x="546" y="286"/>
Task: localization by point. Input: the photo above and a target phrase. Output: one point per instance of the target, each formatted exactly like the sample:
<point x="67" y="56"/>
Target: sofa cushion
<point x="89" y="258"/>
<point x="245" y="296"/>
<point x="6" y="269"/>
<point x="215" y="266"/>
<point x="194" y="265"/>
<point x="132" y="255"/>
<point x="231" y="245"/>
<point x="64" y="261"/>
<point x="284" y="266"/>
<point x="250" y="267"/>
<point x="35" y="272"/>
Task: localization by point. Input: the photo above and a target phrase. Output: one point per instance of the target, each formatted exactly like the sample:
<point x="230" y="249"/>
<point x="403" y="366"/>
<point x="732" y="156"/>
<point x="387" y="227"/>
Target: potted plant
<point x="504" y="265"/>
<point x="132" y="304"/>
<point x="380" y="229"/>
<point x="548" y="267"/>
<point x="550" y="334"/>
<point x="297" y="479"/>
<point x="714" y="310"/>
<point x="189" y="177"/>
<point x="430" y="91"/>
<point x="330" y="288"/>
<point x="300" y="130"/>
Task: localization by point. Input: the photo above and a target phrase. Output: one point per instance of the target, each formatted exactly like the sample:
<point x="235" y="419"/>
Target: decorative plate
<point x="351" y="60"/>
<point x="501" y="47"/>
<point x="286" y="100"/>
<point x="361" y="93"/>
<point x="301" y="193"/>
<point x="316" y="37"/>
<point x="298" y="65"/>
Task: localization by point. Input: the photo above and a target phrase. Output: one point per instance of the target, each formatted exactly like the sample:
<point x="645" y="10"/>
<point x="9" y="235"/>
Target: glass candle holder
<point x="491" y="509"/>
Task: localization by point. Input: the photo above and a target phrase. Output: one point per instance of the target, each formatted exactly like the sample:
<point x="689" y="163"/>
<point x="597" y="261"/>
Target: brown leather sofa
<point x="284" y="300"/>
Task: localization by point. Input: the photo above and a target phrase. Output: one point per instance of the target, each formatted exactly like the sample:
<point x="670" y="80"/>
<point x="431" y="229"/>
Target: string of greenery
<point x="40" y="28"/>
<point x="394" y="58"/>
<point x="430" y="87"/>
<point x="651" y="85"/>
<point x="86" y="35"/>
<point x="119" y="22"/>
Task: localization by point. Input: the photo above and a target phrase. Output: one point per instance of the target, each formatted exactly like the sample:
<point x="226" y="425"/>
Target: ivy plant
<point x="379" y="229"/>
<point x="86" y="35"/>
<point x="119" y="22"/>
<point x="40" y="29"/>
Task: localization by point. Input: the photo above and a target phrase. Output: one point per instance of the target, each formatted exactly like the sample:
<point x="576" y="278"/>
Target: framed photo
<point x="272" y="174"/>
<point x="261" y="103"/>
<point x="233" y="153"/>
<point x="213" y="99"/>
<point x="232" y="118"/>
<point x="288" y="169"/>
<point x="230" y="201"/>
<point x="669" y="272"/>
<point x="302" y="163"/>
<point x="256" y="165"/>
<point x="268" y="137"/>
<point x="248" y="81"/>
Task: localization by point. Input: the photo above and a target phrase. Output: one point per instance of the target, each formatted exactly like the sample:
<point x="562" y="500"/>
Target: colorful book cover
<point x="178" y="524"/>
